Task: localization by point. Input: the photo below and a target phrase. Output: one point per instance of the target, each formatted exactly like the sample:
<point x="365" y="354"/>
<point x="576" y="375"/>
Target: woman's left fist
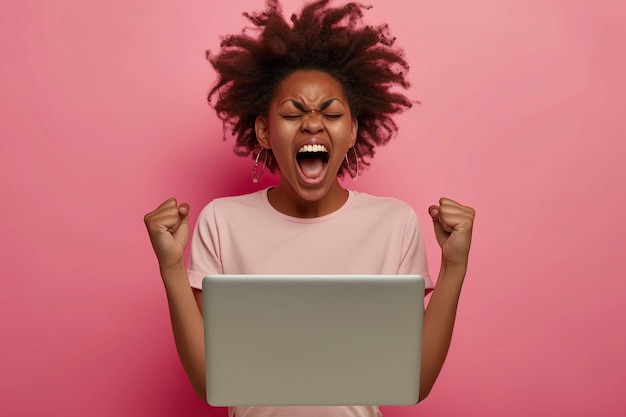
<point x="453" y="224"/>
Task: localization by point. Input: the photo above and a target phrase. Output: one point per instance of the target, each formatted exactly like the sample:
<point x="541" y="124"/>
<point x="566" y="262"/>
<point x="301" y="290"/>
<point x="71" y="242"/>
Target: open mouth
<point x="312" y="161"/>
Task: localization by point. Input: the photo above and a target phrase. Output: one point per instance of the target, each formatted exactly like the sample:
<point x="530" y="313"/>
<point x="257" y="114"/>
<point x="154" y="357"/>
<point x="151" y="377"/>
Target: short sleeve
<point x="414" y="260"/>
<point x="204" y="256"/>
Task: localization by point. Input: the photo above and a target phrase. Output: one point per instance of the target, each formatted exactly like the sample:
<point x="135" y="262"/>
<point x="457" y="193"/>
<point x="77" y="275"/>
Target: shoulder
<point x="385" y="211"/>
<point x="233" y="205"/>
<point x="382" y="205"/>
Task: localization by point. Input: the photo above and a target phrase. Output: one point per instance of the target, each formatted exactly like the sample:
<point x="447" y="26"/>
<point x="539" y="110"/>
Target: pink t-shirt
<point x="367" y="235"/>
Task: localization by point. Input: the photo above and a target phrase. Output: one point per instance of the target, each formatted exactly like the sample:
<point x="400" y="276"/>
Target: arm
<point x="453" y="225"/>
<point x="169" y="230"/>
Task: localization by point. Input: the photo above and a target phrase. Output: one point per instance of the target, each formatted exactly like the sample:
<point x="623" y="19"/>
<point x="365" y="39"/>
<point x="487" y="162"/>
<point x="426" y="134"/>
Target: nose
<point x="312" y="122"/>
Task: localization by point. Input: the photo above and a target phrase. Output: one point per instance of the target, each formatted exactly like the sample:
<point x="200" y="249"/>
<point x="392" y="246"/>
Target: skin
<point x="309" y="106"/>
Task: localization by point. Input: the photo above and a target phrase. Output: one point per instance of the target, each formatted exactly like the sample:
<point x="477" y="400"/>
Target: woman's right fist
<point x="168" y="227"/>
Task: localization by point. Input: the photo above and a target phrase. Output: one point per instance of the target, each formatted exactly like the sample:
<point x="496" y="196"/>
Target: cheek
<point x="281" y="138"/>
<point x="344" y="132"/>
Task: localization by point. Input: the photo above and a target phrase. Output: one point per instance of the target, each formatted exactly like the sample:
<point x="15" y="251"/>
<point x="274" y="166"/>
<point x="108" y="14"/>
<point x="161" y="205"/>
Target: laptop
<point x="287" y="340"/>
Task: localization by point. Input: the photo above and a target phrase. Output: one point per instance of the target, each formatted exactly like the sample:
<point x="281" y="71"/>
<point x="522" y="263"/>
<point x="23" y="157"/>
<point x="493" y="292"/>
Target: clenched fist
<point x="453" y="224"/>
<point x="168" y="227"/>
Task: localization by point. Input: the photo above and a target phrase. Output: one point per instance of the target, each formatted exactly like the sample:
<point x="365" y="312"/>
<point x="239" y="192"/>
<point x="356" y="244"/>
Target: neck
<point x="286" y="200"/>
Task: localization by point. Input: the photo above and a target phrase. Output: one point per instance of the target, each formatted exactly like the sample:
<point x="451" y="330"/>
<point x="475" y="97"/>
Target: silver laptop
<point x="312" y="340"/>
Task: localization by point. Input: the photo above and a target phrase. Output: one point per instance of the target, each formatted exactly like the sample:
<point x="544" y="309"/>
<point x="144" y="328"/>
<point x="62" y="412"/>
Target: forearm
<point x="187" y="325"/>
<point x="438" y="324"/>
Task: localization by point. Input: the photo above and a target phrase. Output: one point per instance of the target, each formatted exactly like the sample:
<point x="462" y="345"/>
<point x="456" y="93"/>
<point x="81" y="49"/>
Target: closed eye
<point x="327" y="116"/>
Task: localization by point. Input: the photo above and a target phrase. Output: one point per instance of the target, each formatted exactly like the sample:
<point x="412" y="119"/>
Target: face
<point x="309" y="129"/>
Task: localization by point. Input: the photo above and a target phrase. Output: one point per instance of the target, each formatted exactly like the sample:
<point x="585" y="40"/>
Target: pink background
<point x="103" y="116"/>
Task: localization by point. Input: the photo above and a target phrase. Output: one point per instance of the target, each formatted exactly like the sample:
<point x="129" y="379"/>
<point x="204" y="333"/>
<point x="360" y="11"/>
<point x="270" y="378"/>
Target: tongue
<point x="311" y="166"/>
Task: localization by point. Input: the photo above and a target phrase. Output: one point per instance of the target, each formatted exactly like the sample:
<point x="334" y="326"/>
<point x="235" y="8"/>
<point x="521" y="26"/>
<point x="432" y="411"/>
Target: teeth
<point x="313" y="148"/>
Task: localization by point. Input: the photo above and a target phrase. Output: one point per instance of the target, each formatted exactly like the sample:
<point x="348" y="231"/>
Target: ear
<point x="353" y="131"/>
<point x="260" y="128"/>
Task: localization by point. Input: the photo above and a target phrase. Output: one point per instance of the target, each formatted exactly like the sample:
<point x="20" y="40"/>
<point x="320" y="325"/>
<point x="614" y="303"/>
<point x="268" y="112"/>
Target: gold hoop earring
<point x="353" y="174"/>
<point x="256" y="179"/>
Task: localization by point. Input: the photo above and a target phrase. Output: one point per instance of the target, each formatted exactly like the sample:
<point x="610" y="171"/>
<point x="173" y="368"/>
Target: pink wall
<point x="103" y="115"/>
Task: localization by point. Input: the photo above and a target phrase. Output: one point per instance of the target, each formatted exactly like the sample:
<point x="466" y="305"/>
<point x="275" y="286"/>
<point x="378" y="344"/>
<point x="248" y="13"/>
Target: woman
<point x="311" y="100"/>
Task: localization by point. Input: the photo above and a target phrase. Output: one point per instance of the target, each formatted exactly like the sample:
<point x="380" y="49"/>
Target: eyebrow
<point x="302" y="108"/>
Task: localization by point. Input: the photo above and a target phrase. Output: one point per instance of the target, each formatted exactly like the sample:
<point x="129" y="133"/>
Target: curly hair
<point x="361" y="57"/>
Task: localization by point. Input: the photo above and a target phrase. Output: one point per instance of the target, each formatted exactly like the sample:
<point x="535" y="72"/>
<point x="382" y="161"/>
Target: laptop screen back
<point x="312" y="340"/>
